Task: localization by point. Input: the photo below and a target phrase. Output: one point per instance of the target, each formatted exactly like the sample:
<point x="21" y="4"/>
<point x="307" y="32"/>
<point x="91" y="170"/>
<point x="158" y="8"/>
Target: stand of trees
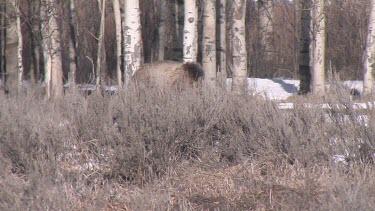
<point x="105" y="42"/>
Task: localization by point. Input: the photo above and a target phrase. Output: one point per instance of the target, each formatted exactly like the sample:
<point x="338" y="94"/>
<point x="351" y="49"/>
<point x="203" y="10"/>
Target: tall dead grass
<point x="182" y="150"/>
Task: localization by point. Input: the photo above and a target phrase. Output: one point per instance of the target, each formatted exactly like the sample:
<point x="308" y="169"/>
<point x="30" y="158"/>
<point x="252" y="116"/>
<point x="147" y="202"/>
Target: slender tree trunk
<point x="222" y="40"/>
<point x="266" y="28"/>
<point x="72" y="43"/>
<point x="239" y="54"/>
<point x="162" y="29"/>
<point x="116" y="8"/>
<point x="20" y="68"/>
<point x="190" y="31"/>
<point x="11" y="54"/>
<point x="177" y="7"/>
<point x="52" y="49"/>
<point x="100" y="62"/>
<point x="318" y="46"/>
<point x="133" y="38"/>
<point x="369" y="54"/>
<point x="209" y="41"/>
<point x="304" y="60"/>
<point x="297" y="28"/>
<point x="3" y="46"/>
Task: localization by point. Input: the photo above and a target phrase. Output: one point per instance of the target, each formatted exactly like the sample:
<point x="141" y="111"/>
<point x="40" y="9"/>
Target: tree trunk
<point x="266" y="28"/>
<point x="116" y="8"/>
<point x="209" y="42"/>
<point x="318" y="48"/>
<point x="133" y="38"/>
<point x="222" y="40"/>
<point x="72" y="43"/>
<point x="20" y="68"/>
<point x="297" y="29"/>
<point x="369" y="57"/>
<point x="52" y="49"/>
<point x="162" y="29"/>
<point x="304" y="60"/>
<point x="100" y="62"/>
<point x="11" y="55"/>
<point x="2" y="47"/>
<point x="239" y="54"/>
<point x="190" y="47"/>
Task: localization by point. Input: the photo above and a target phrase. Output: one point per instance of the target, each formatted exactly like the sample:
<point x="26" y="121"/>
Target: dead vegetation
<point x="185" y="150"/>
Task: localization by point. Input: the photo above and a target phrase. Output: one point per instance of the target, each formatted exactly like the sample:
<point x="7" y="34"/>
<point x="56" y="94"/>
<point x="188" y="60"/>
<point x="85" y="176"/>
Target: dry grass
<point x="185" y="150"/>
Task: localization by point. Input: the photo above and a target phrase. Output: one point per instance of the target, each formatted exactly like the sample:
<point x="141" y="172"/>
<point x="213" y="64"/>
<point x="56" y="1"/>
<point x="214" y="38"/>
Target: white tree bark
<point x="52" y="49"/>
<point x="16" y="5"/>
<point x="72" y="43"/>
<point x="318" y="47"/>
<point x="239" y="54"/>
<point x="117" y="13"/>
<point x="100" y="62"/>
<point x="266" y="28"/>
<point x="209" y="41"/>
<point x="133" y="38"/>
<point x="369" y="54"/>
<point x="162" y="29"/>
<point x="222" y="44"/>
<point x="190" y="48"/>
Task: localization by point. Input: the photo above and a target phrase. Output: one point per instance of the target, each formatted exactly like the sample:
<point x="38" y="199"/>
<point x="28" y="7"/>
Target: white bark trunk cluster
<point x="369" y="55"/>
<point x="190" y="48"/>
<point x="239" y="54"/>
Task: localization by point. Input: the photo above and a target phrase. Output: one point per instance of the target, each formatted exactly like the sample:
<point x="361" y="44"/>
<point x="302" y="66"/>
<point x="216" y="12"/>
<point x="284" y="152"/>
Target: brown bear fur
<point x="168" y="74"/>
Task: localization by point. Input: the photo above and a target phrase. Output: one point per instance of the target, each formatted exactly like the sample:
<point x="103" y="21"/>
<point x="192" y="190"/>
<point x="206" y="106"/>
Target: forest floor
<point x="189" y="150"/>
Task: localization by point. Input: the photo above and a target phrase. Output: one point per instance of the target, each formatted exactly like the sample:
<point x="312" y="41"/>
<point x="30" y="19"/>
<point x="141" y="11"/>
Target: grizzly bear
<point x="169" y="74"/>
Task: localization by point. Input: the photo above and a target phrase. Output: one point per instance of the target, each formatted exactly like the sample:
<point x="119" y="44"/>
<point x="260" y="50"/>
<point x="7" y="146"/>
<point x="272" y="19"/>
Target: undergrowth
<point x="182" y="150"/>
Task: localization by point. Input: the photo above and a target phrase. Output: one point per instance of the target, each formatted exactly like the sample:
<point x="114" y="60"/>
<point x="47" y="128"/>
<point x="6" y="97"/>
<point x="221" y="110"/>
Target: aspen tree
<point x="209" y="41"/>
<point x="117" y="13"/>
<point x="52" y="49"/>
<point x="318" y="47"/>
<point x="133" y="38"/>
<point x="239" y="54"/>
<point x="190" y="47"/>
<point x="369" y="54"/>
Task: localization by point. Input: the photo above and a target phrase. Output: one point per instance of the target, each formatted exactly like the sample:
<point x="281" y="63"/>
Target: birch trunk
<point x="318" y="47"/>
<point x="239" y="54"/>
<point x="52" y="50"/>
<point x="162" y="29"/>
<point x="117" y="13"/>
<point x="265" y="25"/>
<point x="190" y="46"/>
<point x="100" y="62"/>
<point x="72" y="43"/>
<point x="369" y="54"/>
<point x="304" y="58"/>
<point x="209" y="42"/>
<point x="19" y="46"/>
<point x="222" y="40"/>
<point x="133" y="38"/>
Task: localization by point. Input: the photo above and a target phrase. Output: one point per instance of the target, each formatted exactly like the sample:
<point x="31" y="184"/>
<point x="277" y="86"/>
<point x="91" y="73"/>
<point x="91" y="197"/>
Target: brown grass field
<point x="182" y="150"/>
